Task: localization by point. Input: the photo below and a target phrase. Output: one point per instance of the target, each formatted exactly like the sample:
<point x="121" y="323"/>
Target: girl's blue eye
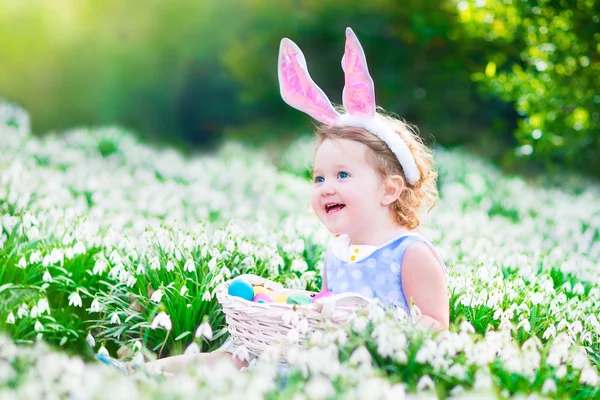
<point x="343" y="175"/>
<point x="319" y="179"/>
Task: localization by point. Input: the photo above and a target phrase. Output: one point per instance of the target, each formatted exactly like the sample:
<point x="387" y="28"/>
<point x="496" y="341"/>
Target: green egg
<point x="298" y="298"/>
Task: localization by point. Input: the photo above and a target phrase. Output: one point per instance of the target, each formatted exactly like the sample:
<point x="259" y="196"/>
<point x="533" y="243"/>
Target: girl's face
<point x="347" y="192"/>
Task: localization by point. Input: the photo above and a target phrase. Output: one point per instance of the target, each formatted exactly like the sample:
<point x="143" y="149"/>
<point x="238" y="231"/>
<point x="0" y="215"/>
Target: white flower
<point x="189" y="266"/>
<point x="43" y="306"/>
<point x="22" y="263"/>
<point x="34" y="312"/>
<point x="102" y="350"/>
<point x="79" y="248"/>
<point x="90" y="340"/>
<point x="589" y="376"/>
<point x="75" y="299"/>
<point x="157" y="296"/>
<point x="204" y="330"/>
<point x="578" y="288"/>
<point x="38" y="326"/>
<point x="525" y="324"/>
<point x="161" y="320"/>
<point x="360" y="356"/>
<point x="424" y="383"/>
<point x="114" y="319"/>
<point x="193" y="348"/>
<point x="96" y="306"/>
<point x="11" y="318"/>
<point x="170" y="266"/>
<point x="207" y="296"/>
<point x="183" y="290"/>
<point x="99" y="267"/>
<point x="22" y="311"/>
<point x="549" y="386"/>
<point x="466" y="326"/>
<point x="47" y="277"/>
<point x="212" y="264"/>
<point x="319" y="388"/>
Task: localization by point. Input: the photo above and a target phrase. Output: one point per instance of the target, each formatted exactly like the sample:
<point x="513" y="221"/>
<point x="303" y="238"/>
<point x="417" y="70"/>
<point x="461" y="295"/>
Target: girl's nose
<point x="327" y="189"/>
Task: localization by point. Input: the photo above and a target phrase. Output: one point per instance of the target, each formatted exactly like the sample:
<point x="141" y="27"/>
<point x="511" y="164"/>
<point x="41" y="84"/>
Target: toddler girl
<point x="372" y="175"/>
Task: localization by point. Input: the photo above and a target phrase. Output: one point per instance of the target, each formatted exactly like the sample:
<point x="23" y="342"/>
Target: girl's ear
<point x="393" y="186"/>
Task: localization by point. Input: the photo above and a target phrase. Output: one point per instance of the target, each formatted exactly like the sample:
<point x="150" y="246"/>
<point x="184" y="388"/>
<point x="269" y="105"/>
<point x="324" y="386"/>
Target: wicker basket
<point x="261" y="326"/>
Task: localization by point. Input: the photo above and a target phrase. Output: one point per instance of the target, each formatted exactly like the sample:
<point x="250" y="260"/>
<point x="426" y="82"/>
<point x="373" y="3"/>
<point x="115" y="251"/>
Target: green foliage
<point x="543" y="57"/>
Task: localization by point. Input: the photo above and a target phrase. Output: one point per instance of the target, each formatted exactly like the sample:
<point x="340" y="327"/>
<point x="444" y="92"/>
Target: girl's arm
<point x="424" y="281"/>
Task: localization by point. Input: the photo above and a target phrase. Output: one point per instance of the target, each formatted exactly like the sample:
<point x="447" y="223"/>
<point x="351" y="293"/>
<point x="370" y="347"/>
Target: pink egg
<point x="263" y="297"/>
<point x="321" y="295"/>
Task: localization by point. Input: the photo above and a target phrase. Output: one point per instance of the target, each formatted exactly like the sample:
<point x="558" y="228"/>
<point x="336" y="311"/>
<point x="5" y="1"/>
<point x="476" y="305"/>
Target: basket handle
<point x="327" y="305"/>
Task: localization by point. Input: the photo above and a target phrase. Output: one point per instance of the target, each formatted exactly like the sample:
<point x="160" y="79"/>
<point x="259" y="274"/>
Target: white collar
<point x="340" y="245"/>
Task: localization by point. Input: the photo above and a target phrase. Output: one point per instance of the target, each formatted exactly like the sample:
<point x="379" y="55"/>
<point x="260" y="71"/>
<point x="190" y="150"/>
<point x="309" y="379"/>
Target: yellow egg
<point x="260" y="289"/>
<point x="282" y="298"/>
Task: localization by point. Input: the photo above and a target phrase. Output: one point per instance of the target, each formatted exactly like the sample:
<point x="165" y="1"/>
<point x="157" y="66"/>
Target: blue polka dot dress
<point x="373" y="271"/>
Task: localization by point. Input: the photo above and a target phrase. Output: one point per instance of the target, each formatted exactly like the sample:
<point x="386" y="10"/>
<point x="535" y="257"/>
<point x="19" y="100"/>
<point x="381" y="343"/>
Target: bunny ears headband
<point x="299" y="91"/>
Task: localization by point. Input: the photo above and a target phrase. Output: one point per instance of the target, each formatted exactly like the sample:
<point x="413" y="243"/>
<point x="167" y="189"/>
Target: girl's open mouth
<point x="333" y="208"/>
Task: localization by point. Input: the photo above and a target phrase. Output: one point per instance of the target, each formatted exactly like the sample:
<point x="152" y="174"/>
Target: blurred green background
<point x="516" y="80"/>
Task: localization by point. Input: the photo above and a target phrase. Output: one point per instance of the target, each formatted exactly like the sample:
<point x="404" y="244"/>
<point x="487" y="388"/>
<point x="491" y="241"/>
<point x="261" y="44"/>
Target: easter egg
<point x="262" y="298"/>
<point x="298" y="298"/>
<point x="260" y="289"/>
<point x="322" y="295"/>
<point x="241" y="288"/>
<point x="282" y="298"/>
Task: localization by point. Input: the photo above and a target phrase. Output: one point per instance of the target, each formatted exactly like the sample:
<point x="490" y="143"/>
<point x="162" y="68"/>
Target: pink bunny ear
<point x="297" y="87"/>
<point x="359" y="90"/>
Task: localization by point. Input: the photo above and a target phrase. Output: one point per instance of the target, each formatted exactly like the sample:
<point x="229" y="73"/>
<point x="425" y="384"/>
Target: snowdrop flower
<point x="79" y="248"/>
<point x="161" y="320"/>
<point x="207" y="296"/>
<point x="22" y="311"/>
<point x="193" y="348"/>
<point x="114" y="318"/>
<point x="22" y="263"/>
<point x="157" y="296"/>
<point x="96" y="306"/>
<point x="425" y="383"/>
<point x="99" y="267"/>
<point x="38" y="327"/>
<point x="90" y="340"/>
<point x="47" y="277"/>
<point x="102" y="350"/>
<point x="212" y="264"/>
<point x="589" y="376"/>
<point x="319" y="388"/>
<point x="549" y="386"/>
<point x="75" y="299"/>
<point x="205" y="331"/>
<point x="43" y="306"/>
<point x="189" y="266"/>
<point x="183" y="290"/>
<point x="360" y="356"/>
<point x="578" y="288"/>
<point x="11" y="318"/>
<point x="170" y="266"/>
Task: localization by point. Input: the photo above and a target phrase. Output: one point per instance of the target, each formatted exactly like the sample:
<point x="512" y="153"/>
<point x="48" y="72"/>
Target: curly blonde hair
<point x="413" y="198"/>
